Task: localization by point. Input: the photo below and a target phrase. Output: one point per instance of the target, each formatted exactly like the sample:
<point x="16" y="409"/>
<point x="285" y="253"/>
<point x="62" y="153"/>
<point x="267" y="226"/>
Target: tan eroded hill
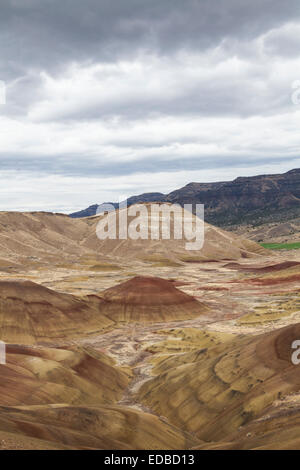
<point x="59" y="398"/>
<point x="35" y="237"/>
<point x="218" y="244"/>
<point x="277" y="428"/>
<point x="32" y="240"/>
<point x="214" y="390"/>
<point x="37" y="375"/>
<point x="31" y="313"/>
<point x="90" y="427"/>
<point x="276" y="232"/>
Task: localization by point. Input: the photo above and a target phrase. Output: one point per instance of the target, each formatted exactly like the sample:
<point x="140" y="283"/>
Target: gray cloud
<point x="89" y="168"/>
<point x="122" y="88"/>
<point x="50" y="33"/>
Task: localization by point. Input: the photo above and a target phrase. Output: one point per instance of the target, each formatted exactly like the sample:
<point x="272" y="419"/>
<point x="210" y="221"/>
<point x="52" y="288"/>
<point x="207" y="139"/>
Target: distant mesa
<point x="150" y="299"/>
<point x="99" y="208"/>
<point x="245" y="200"/>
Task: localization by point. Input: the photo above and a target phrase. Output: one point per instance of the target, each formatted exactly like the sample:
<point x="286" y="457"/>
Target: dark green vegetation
<point x="281" y="246"/>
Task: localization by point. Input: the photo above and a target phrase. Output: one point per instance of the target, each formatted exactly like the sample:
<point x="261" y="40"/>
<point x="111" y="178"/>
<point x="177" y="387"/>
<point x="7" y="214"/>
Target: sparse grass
<point x="191" y="259"/>
<point x="166" y="264"/>
<point x="186" y="340"/>
<point x="104" y="267"/>
<point x="281" y="246"/>
<point x="272" y="312"/>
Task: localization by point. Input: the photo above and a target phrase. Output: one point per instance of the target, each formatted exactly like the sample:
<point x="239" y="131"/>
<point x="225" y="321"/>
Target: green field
<point x="281" y="246"/>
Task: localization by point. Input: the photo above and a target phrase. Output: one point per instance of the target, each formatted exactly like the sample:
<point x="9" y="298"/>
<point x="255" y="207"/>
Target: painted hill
<point x="145" y="299"/>
<point x="218" y="244"/>
<point x="38" y="375"/>
<point x="31" y="313"/>
<point x="32" y="238"/>
<point x="277" y="428"/>
<point x="225" y="383"/>
<point x="88" y="427"/>
<point x="64" y="399"/>
<point x="39" y="238"/>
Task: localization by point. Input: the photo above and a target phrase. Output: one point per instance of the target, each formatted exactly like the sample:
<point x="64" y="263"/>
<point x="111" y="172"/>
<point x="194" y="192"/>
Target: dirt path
<point x="127" y="345"/>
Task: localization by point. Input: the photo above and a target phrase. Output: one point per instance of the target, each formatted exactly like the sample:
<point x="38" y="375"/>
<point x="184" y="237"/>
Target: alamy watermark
<point x="296" y="93"/>
<point x="153" y="221"/>
<point x="2" y="353"/>
<point x="296" y="354"/>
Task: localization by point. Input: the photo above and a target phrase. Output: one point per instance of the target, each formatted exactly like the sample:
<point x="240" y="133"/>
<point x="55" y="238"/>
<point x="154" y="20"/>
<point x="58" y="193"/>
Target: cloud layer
<point x="106" y="99"/>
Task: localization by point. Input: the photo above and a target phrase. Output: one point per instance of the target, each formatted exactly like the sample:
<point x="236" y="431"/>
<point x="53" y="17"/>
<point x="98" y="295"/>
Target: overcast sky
<point x="106" y="99"/>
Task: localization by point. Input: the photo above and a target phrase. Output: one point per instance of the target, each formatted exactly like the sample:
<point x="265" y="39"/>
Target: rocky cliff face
<point x="245" y="200"/>
<point x="252" y="200"/>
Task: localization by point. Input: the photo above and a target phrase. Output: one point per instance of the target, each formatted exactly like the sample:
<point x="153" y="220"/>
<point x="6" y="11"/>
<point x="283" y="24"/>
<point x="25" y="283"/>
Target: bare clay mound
<point x="150" y="299"/>
<point x="39" y="239"/>
<point x="262" y="269"/>
<point x="31" y="313"/>
<point x="218" y="244"/>
<point x="287" y="272"/>
<point x="40" y="376"/>
<point x="59" y="398"/>
<point x="214" y="392"/>
<point x="88" y="427"/>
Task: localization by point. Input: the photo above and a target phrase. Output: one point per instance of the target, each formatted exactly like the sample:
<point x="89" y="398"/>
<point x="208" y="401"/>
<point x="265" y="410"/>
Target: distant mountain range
<point x="252" y="200"/>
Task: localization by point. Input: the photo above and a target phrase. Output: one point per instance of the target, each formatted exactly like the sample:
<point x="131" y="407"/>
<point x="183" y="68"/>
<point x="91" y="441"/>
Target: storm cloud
<point x="111" y="98"/>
